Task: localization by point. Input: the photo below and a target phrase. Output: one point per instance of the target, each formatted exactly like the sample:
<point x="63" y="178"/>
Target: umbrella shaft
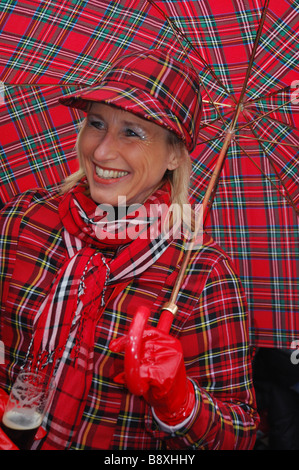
<point x="216" y="172"/>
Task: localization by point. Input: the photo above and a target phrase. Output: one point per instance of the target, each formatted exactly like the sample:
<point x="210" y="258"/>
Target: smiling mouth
<point x="108" y="174"/>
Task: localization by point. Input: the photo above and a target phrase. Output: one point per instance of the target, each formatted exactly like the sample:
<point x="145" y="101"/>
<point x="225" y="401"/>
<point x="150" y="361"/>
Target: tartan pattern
<point x="211" y="324"/>
<point x="64" y="328"/>
<point x="31" y="154"/>
<point x="73" y="43"/>
<point x="153" y="86"/>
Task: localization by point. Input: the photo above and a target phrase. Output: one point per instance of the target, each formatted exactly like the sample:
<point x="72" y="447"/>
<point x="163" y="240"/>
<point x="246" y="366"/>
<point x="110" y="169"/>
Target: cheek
<point x="85" y="149"/>
<point x="87" y="141"/>
<point x="84" y="162"/>
<point x="148" y="172"/>
<point x="151" y="161"/>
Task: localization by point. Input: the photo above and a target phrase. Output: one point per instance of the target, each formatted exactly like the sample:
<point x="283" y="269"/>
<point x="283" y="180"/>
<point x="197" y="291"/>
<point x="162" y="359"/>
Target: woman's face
<point x="123" y="155"/>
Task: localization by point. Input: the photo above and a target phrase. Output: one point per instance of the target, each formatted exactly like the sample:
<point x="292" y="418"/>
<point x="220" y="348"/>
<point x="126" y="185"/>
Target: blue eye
<point x="129" y="132"/>
<point x="97" y="123"/>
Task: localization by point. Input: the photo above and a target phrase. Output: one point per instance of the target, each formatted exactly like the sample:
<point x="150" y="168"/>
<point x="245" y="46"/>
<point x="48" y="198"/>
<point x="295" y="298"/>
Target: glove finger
<point x="118" y="344"/>
<point x="120" y="378"/>
<point x="40" y="433"/>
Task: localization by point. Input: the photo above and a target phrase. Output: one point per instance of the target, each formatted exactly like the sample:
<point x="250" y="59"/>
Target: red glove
<point x="163" y="371"/>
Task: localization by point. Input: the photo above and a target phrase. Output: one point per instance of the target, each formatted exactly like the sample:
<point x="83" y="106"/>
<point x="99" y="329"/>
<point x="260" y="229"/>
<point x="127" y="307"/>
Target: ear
<point x="174" y="161"/>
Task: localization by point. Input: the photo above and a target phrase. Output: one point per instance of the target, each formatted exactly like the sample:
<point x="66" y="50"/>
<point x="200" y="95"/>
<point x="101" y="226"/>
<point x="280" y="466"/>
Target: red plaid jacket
<point x="211" y="324"/>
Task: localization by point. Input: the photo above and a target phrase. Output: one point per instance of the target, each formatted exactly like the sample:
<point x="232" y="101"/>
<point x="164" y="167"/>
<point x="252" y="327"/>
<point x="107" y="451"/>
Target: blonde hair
<point x="178" y="178"/>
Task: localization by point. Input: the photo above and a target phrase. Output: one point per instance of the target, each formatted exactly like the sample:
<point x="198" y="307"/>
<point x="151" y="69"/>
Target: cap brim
<point x="129" y="99"/>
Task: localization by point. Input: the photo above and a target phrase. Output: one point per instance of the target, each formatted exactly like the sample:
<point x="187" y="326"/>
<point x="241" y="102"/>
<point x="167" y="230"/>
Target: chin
<point x="102" y="199"/>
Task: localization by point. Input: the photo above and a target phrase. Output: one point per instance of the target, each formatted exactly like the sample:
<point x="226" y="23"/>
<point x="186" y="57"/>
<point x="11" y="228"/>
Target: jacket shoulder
<point x="19" y="206"/>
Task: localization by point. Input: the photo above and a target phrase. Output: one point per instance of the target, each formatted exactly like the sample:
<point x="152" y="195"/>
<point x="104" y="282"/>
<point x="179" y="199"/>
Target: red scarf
<point x="63" y="341"/>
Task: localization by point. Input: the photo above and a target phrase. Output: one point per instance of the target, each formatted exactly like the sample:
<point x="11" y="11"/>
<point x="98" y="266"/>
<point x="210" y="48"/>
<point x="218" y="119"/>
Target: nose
<point x="107" y="148"/>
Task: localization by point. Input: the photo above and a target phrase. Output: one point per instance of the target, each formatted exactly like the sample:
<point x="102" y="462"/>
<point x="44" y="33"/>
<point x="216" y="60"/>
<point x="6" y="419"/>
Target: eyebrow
<point x="134" y="123"/>
<point x="126" y="122"/>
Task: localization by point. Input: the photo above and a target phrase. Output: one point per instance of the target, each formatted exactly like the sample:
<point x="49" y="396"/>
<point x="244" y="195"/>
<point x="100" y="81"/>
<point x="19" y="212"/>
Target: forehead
<point x="110" y="110"/>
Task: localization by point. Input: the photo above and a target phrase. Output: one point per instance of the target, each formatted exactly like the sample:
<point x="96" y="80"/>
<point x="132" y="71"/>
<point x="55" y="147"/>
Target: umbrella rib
<point x="212" y="127"/>
<point x="287" y="195"/>
<point x="209" y="124"/>
<point x="215" y="176"/>
<point x="268" y="95"/>
<point x="216" y="103"/>
<point x="178" y="30"/>
<point x="263" y="173"/>
<point x="267" y="115"/>
<point x="202" y="84"/>
<point x="255" y="46"/>
<point x="222" y="132"/>
<point x="211" y="140"/>
<point x="261" y="116"/>
<point x="293" y="128"/>
<point x="249" y="68"/>
<point x="270" y="141"/>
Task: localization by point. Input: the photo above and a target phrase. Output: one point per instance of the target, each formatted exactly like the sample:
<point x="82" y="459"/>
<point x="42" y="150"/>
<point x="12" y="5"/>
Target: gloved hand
<point x="5" y="442"/>
<point x="162" y="367"/>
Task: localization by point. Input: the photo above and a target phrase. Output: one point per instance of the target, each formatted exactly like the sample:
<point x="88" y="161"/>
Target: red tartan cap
<point x="152" y="85"/>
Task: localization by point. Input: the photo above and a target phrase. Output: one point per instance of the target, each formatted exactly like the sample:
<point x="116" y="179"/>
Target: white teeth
<point x="109" y="173"/>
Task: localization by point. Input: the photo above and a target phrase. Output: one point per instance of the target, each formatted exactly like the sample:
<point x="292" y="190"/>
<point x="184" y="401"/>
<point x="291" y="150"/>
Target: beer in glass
<point x="26" y="406"/>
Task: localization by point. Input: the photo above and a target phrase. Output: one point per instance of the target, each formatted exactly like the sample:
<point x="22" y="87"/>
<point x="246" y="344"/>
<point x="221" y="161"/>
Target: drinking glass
<point x="28" y="401"/>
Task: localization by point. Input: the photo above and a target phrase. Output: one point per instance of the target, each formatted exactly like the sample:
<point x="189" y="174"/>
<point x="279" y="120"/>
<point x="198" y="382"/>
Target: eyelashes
<point x="126" y="130"/>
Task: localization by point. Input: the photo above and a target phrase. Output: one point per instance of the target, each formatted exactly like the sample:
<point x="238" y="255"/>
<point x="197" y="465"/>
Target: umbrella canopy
<point x="246" y="55"/>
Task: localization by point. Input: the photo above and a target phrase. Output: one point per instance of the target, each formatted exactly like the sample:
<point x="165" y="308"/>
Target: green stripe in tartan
<point x="43" y="154"/>
<point x="6" y="7"/>
<point x="6" y="173"/>
<point x="247" y="27"/>
<point x="22" y="102"/>
<point x="28" y="46"/>
<point x="279" y="131"/>
<point x="216" y="91"/>
<point x="281" y="43"/>
<point x="117" y="26"/>
<point x="61" y="15"/>
<point x="248" y="22"/>
<point x="279" y="98"/>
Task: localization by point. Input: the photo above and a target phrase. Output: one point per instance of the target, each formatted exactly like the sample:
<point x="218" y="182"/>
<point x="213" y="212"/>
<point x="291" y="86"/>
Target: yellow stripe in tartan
<point x="100" y="375"/>
<point x="157" y="81"/>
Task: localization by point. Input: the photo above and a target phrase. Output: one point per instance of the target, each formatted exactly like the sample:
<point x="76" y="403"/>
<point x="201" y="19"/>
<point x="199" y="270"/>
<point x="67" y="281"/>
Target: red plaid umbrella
<point x="246" y="55"/>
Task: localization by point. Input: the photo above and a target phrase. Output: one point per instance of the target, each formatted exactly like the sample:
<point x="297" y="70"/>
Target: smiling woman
<point x="123" y="155"/>
<point x="71" y="292"/>
<point x="145" y="142"/>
